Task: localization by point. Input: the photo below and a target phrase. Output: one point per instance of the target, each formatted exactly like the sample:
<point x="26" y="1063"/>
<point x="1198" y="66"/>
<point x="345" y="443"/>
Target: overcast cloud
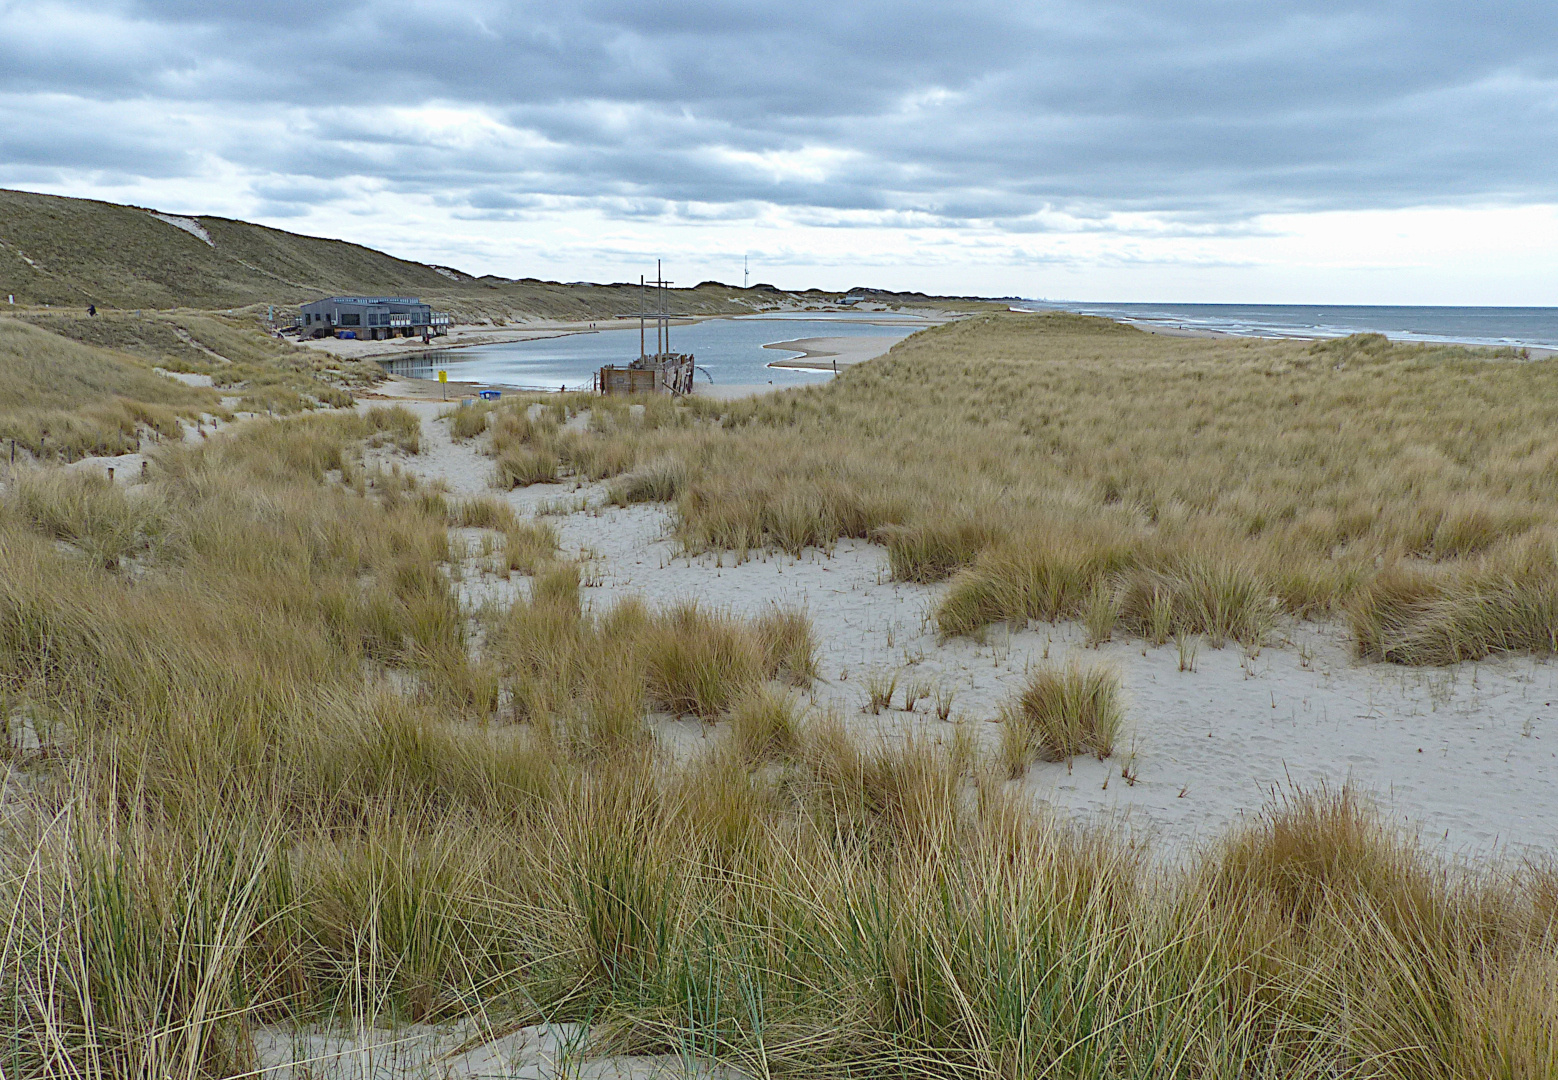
<point x="1173" y="132"/>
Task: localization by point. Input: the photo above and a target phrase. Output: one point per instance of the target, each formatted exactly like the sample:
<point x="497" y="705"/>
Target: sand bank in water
<point x="826" y="353"/>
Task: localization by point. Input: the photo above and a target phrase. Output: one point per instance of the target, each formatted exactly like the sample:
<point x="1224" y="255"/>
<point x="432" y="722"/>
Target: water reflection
<point x="728" y="351"/>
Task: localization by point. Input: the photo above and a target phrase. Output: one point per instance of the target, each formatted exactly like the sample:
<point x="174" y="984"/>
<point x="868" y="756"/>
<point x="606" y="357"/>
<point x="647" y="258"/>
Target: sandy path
<point x="543" y="1052"/>
<point x="1464" y="754"/>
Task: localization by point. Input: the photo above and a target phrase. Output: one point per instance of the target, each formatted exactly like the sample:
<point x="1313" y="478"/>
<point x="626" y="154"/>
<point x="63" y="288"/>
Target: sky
<point x="1164" y="150"/>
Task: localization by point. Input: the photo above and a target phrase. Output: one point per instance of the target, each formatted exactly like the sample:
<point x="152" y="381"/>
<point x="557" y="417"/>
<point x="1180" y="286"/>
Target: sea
<point x="727" y="351"/>
<point x="731" y="351"/>
<point x="1515" y="327"/>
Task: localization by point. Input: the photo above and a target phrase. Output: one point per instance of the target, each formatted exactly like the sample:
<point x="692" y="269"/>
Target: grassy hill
<point x="62" y="251"/>
<point x="73" y="252"/>
<point x="64" y="398"/>
<point x="72" y="386"/>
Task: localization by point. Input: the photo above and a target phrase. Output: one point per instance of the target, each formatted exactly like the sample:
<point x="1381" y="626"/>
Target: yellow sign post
<point x="443" y="382"/>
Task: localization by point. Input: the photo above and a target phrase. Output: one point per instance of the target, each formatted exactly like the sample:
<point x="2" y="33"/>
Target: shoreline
<point x="471" y="335"/>
<point x="1534" y="352"/>
<point x="821" y="354"/>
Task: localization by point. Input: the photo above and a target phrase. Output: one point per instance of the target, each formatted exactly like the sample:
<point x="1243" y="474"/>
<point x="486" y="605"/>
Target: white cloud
<point x="1179" y="149"/>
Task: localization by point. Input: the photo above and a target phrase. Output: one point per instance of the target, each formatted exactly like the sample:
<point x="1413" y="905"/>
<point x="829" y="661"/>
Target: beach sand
<point x="459" y="337"/>
<point x="541" y="1052"/>
<point x="731" y="391"/>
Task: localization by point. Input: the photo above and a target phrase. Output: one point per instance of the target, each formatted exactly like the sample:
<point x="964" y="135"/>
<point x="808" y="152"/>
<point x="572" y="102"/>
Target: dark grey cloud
<point x="978" y="111"/>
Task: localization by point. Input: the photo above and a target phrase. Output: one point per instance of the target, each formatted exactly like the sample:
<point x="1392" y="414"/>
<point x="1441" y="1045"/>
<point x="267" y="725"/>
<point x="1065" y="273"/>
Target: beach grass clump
<point x="103" y="520"/>
<point x="931" y="551"/>
<point x="558" y="586"/>
<point x="1047" y="575"/>
<point x="699" y="662"/>
<point x="1101" y="612"/>
<point x="524" y="448"/>
<point x="564" y="666"/>
<point x="1429" y="615"/>
<point x="1062" y="712"/>
<point x="789" y="646"/>
<point x="1315" y="849"/>
<point x="481" y="513"/>
<point x="522" y="466"/>
<point x="469" y="421"/>
<point x="591" y="458"/>
<point x="661" y="480"/>
<point x="1221" y="601"/>
<point x="881" y="687"/>
<point x="393" y="425"/>
<point x="806" y="499"/>
<point x="764" y="726"/>
<point x="528" y="546"/>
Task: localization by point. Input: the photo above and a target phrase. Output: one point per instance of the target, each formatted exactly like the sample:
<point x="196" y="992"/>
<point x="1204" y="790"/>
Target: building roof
<point x="368" y="300"/>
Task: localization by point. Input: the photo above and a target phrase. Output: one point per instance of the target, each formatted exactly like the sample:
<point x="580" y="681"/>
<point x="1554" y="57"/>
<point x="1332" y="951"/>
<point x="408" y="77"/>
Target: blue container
<point x="491" y="395"/>
<point x="348" y="334"/>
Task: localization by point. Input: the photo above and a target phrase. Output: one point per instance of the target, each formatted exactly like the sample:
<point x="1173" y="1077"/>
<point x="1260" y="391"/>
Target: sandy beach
<point x="459" y="337"/>
<point x="464" y="336"/>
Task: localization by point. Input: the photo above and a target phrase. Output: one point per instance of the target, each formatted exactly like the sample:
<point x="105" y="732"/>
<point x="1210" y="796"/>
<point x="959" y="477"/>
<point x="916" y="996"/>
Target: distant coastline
<point x="1533" y="328"/>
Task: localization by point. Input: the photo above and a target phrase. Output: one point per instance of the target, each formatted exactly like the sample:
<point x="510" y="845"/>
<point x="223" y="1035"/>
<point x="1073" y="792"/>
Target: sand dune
<point x="1463" y="754"/>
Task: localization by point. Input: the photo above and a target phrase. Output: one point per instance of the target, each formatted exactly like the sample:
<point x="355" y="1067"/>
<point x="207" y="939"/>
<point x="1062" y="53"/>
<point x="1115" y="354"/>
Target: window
<point x="351" y="320"/>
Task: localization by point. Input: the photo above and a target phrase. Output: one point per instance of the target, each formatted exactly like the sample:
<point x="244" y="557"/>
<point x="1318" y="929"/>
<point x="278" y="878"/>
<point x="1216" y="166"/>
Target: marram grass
<point x="267" y="771"/>
<point x="1039" y="462"/>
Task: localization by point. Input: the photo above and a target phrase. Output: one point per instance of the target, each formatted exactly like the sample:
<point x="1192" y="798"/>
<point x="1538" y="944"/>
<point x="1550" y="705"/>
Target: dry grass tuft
<point x="468" y="421"/>
<point x="86" y="510"/>
<point x="699" y="662"/>
<point x="527" y="546"/>
<point x="661" y="480"/>
<point x="934" y="550"/>
<point x="789" y="647"/>
<point x="764" y="726"/>
<point x="1318" y="848"/>
<point x="1443" y="615"/>
<point x="482" y="514"/>
<point x="1062" y="712"/>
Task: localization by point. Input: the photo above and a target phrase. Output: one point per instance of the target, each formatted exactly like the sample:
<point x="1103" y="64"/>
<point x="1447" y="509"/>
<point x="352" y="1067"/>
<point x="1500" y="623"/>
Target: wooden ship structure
<point x="658" y="372"/>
